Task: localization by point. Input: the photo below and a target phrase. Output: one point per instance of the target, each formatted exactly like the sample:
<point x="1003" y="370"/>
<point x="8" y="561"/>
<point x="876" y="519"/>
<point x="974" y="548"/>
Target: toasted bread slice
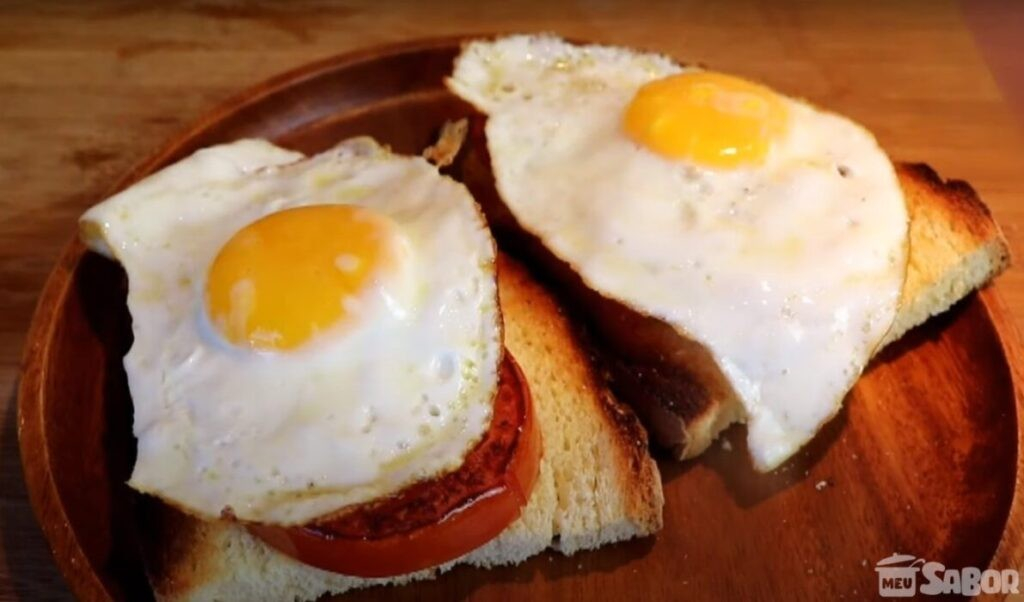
<point x="955" y="246"/>
<point x="672" y="382"/>
<point x="597" y="482"/>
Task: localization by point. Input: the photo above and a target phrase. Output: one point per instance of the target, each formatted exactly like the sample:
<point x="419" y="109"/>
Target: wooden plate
<point x="922" y="461"/>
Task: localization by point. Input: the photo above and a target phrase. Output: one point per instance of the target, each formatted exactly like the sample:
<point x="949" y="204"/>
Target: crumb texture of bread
<point x="597" y="483"/>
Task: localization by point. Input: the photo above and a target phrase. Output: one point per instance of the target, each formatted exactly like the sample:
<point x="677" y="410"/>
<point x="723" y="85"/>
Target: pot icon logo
<point x="897" y="575"/>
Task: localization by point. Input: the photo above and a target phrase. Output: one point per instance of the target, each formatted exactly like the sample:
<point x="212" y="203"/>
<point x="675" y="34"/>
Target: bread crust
<point x="173" y="548"/>
<point x="956" y="199"/>
<point x="672" y="382"/>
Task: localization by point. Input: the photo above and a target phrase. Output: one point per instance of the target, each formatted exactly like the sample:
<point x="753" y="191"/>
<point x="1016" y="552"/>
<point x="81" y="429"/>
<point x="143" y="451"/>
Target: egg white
<point x="285" y="437"/>
<point x="788" y="272"/>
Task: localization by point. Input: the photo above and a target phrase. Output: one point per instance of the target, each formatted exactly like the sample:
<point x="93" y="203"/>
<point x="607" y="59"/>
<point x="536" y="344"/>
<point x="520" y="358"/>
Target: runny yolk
<point x="292" y="274"/>
<point x="710" y="118"/>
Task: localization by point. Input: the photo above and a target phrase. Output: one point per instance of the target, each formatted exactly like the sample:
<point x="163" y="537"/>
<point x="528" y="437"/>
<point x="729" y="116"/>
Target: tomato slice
<point x="437" y="520"/>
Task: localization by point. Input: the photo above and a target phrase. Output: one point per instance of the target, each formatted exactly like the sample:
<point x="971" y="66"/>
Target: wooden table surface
<point x="86" y="91"/>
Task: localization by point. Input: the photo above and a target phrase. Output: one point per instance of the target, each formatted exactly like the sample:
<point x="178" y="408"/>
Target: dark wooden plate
<point x="923" y="460"/>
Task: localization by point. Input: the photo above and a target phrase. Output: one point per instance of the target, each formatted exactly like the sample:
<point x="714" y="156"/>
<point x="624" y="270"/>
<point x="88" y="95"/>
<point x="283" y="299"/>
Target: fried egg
<point x="308" y="333"/>
<point x="767" y="230"/>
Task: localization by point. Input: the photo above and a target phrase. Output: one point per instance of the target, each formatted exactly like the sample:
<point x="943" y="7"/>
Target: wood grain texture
<point x="86" y="91"/>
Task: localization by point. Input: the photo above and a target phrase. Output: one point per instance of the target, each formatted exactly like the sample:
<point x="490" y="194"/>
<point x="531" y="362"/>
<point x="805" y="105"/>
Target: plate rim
<point x="1009" y="553"/>
<point x="44" y="498"/>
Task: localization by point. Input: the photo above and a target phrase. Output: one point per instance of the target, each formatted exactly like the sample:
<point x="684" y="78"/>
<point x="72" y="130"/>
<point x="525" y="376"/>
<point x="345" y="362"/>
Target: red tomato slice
<point x="433" y="521"/>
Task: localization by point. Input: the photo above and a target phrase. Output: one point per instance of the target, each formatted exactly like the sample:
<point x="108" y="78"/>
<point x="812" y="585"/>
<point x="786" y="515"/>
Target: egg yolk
<point x="709" y="118"/>
<point x="292" y="274"/>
